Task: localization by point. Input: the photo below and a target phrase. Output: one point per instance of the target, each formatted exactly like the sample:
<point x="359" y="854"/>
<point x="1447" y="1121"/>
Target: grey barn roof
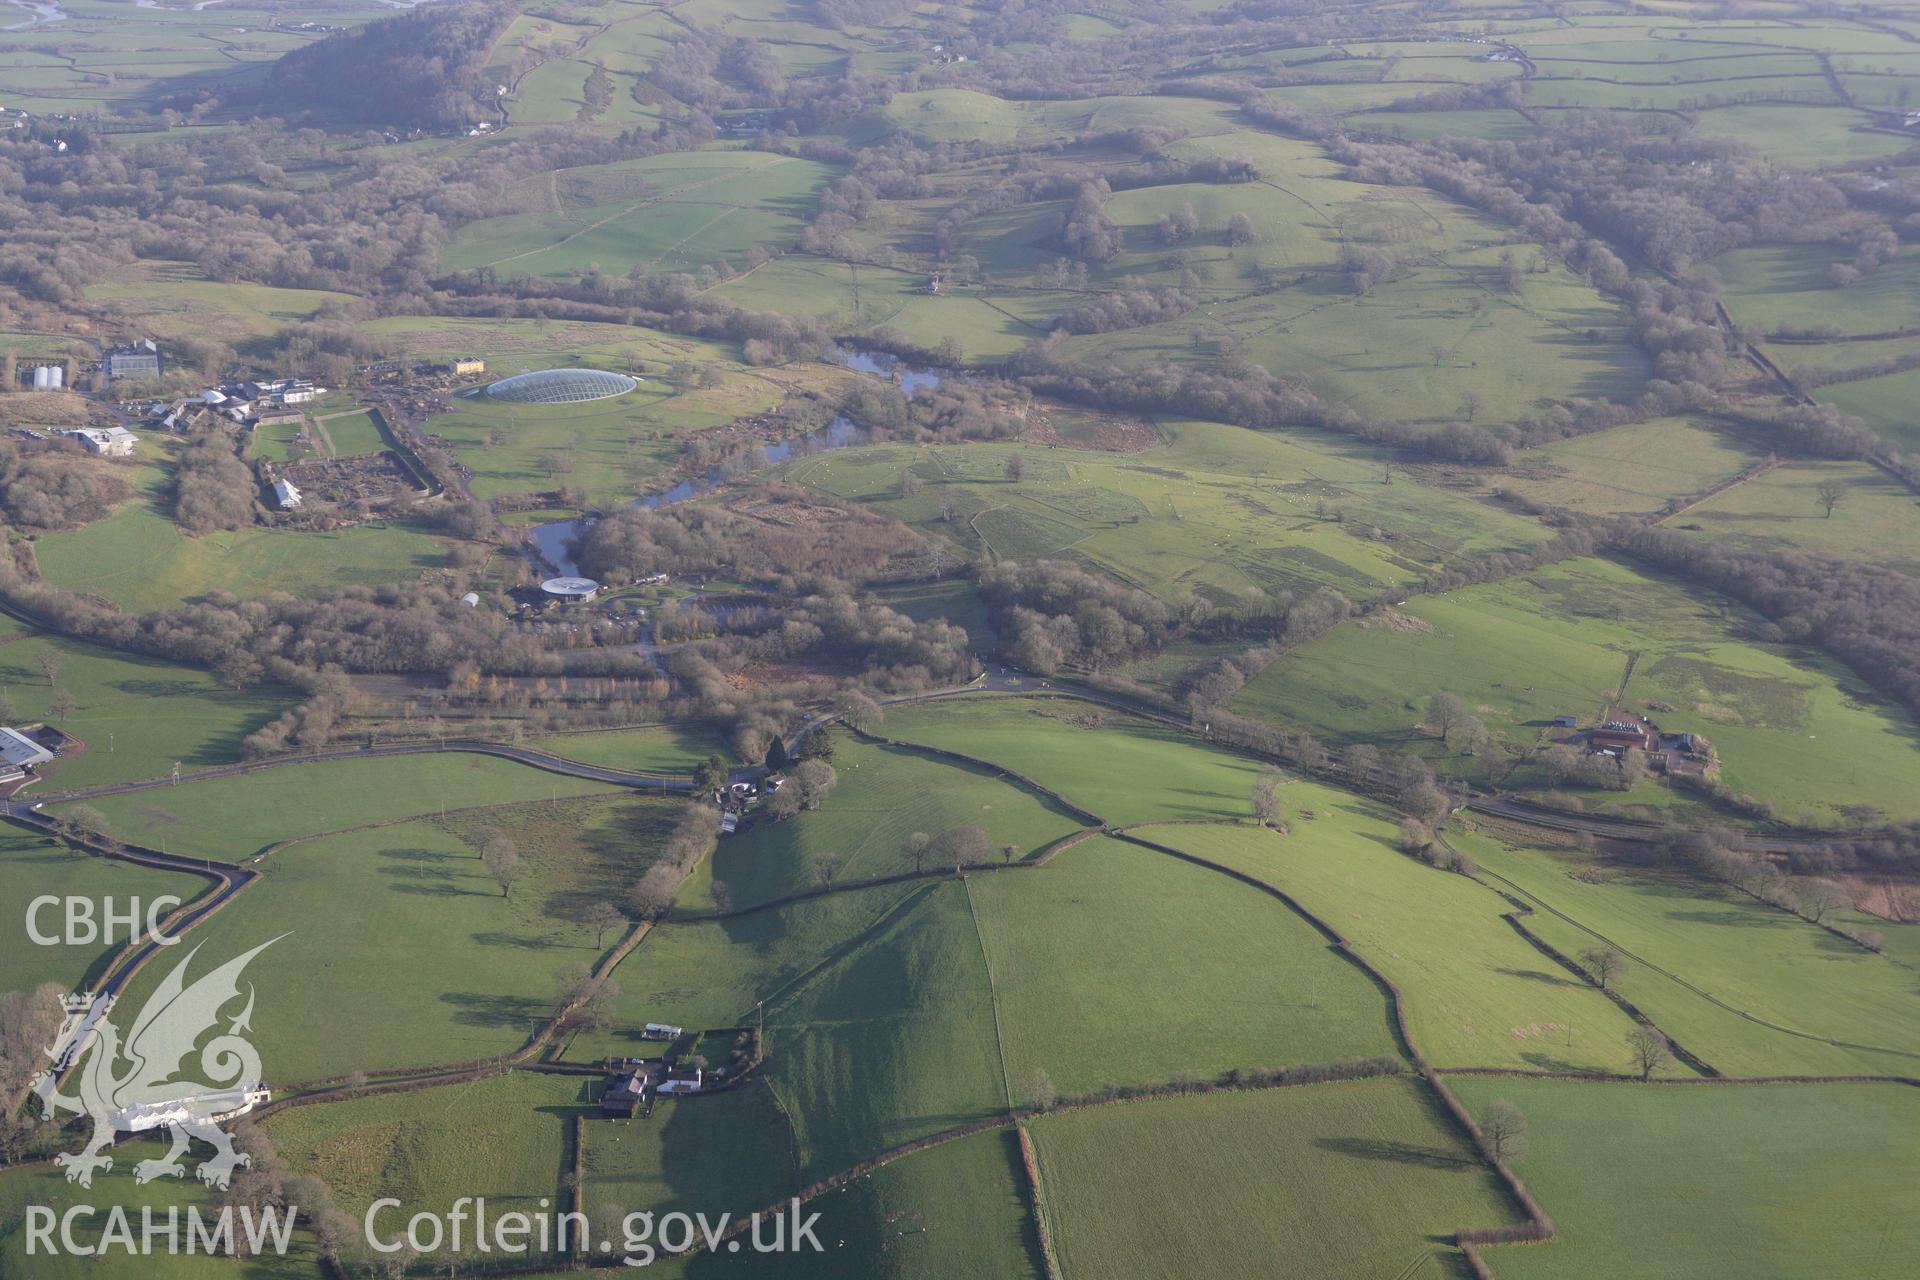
<point x="18" y="750"/>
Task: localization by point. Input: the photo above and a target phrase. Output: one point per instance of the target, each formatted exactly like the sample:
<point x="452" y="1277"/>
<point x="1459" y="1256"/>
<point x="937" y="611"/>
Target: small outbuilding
<point x="286" y="495"/>
<point x="107" y="442"/>
<point x="623" y="1094"/>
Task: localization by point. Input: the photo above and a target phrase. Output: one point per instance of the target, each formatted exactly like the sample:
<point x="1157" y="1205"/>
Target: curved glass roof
<point x="561" y="386"/>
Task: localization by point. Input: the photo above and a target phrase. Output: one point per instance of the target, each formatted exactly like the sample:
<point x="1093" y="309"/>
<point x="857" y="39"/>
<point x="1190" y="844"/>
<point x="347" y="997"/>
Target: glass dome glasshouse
<point x="561" y="386"/>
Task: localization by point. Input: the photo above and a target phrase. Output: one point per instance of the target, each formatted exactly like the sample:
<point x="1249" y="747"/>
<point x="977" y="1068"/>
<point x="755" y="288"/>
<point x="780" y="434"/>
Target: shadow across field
<point x="1399" y="1153"/>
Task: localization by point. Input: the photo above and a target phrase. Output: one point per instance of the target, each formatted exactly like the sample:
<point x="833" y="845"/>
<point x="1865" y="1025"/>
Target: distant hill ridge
<point x="421" y="69"/>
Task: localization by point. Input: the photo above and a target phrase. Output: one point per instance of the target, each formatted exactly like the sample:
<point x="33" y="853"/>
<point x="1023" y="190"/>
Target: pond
<point x="551" y="539"/>
<point x="910" y="379"/>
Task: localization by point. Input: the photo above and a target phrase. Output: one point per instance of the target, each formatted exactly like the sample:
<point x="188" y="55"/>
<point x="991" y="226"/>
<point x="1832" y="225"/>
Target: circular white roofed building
<point x="570" y="590"/>
<point x="561" y="386"/>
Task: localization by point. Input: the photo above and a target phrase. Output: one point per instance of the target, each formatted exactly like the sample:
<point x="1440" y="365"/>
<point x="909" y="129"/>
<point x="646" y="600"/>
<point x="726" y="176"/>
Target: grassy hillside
<point x="1477" y="994"/>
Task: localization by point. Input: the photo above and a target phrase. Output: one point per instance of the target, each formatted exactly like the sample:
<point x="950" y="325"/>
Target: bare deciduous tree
<point x="1504" y="1126"/>
<point x="1038" y="1090"/>
<point x="1444" y="712"/>
<point x="1820" y="897"/>
<point x="600" y="917"/>
<point x="650" y="898"/>
<point x="1266" y="803"/>
<point x="1831" y="494"/>
<point x="1604" y="965"/>
<point x="1650" y="1050"/>
<point x="961" y="846"/>
<point x="502" y="859"/>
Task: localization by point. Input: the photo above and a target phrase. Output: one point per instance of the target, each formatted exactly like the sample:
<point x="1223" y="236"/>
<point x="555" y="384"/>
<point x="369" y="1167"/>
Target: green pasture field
<point x="139" y="559"/>
<point x="513" y="345"/>
<point x="1497" y="124"/>
<point x="1847" y="357"/>
<point x="1339" y="97"/>
<point x="884" y="794"/>
<point x="552" y="93"/>
<point x="34" y="866"/>
<point x="1877" y="519"/>
<point x="1441" y="68"/>
<point x="713" y="973"/>
<point x="1714" y="1182"/>
<point x="1117" y="963"/>
<point x="728" y="1153"/>
<point x="504" y="1138"/>
<point x="947" y="115"/>
<point x="1749" y="988"/>
<point x="1889" y="86"/>
<point x="1885" y="403"/>
<point x="408" y="911"/>
<point x="666" y="213"/>
<point x="1215" y="511"/>
<point x="894" y="1041"/>
<point x="1782" y="286"/>
<point x="174" y="299"/>
<point x="1628" y="470"/>
<point x="959" y="1211"/>
<point x="1127" y="770"/>
<point x="136" y="715"/>
<point x="1807" y="93"/>
<point x="654" y="748"/>
<point x="852" y="297"/>
<point x="1658" y="62"/>
<point x="1377" y="1179"/>
<point x="1289" y="232"/>
<point x="1375" y="352"/>
<point x="234" y="818"/>
<point x="46" y="1185"/>
<point x="1556" y="642"/>
<point x="1476" y="993"/>
<point x="1811" y="138"/>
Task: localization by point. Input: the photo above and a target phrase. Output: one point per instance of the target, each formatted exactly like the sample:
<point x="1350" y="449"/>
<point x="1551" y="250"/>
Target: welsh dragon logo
<point x="136" y="1084"/>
